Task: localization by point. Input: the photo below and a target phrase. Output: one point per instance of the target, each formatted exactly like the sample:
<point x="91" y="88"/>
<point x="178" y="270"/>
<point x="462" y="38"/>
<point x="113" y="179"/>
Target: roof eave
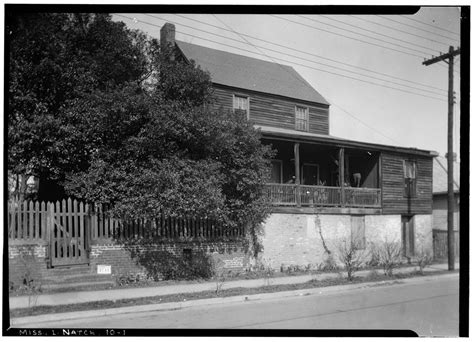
<point x="347" y="143"/>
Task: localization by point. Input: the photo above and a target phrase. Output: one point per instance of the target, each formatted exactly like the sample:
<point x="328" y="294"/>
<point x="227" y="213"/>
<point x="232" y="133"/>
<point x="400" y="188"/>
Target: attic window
<point x="241" y="105"/>
<point x="301" y="118"/>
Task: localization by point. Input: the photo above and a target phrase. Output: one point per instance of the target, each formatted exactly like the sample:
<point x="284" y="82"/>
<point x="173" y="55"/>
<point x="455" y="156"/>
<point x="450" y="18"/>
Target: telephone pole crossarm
<point x="442" y="57"/>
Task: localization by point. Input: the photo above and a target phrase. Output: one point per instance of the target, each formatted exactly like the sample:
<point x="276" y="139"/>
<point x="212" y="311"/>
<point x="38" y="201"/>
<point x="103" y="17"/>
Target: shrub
<point x="352" y="258"/>
<point x="423" y="258"/>
<point x="163" y="265"/>
<point x="389" y="254"/>
<point x="219" y="273"/>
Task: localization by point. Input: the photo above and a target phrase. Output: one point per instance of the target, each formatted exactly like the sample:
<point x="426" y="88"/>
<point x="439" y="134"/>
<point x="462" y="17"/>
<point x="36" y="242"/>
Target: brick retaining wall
<point x="31" y="260"/>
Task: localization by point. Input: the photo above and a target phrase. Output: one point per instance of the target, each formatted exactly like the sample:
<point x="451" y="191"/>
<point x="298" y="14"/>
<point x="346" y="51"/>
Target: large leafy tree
<point x="174" y="152"/>
<point x="103" y="113"/>
<point x="54" y="61"/>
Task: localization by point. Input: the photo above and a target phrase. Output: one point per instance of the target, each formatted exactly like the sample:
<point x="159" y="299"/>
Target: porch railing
<point x="324" y="196"/>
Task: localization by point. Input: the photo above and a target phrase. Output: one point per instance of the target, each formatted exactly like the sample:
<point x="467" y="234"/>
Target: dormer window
<point x="301" y="118"/>
<point x="241" y="105"/>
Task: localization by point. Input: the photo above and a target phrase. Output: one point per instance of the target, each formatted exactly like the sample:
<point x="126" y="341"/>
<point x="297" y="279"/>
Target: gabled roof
<point x="440" y="175"/>
<point x="244" y="72"/>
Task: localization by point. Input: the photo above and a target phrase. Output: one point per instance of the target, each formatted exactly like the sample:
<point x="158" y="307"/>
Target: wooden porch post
<point x="297" y="174"/>
<point x="341" y="176"/>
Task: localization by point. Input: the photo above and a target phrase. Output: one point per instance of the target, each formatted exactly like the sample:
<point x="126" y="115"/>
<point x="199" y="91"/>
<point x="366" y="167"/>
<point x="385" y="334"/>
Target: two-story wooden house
<point x="322" y="187"/>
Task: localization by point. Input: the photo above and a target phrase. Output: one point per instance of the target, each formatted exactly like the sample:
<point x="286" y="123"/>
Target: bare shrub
<point x="423" y="258"/>
<point x="352" y="258"/>
<point x="31" y="282"/>
<point x="389" y="255"/>
<point x="219" y="272"/>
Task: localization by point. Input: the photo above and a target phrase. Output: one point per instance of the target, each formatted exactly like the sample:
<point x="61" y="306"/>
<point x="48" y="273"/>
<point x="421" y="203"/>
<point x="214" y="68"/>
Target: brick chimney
<point x="167" y="37"/>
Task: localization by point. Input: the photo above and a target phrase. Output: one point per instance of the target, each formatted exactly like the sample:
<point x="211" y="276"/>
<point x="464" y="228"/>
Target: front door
<point x="309" y="174"/>
<point x="408" y="236"/>
<point x="276" y="176"/>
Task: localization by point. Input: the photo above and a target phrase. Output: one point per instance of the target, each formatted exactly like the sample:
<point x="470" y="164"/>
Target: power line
<point x="307" y="60"/>
<point x="371" y="31"/>
<point x="370" y="127"/>
<point x="398" y="30"/>
<point x="307" y="53"/>
<point x="342" y="109"/>
<point x="345" y="111"/>
<point x="436" y="27"/>
<point x="395" y="21"/>
<point x="299" y="64"/>
<point x="338" y="34"/>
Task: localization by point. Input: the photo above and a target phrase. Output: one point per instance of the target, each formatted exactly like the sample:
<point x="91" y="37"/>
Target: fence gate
<point x="67" y="229"/>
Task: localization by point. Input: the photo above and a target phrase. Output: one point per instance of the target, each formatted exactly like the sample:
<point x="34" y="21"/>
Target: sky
<point x="355" y="62"/>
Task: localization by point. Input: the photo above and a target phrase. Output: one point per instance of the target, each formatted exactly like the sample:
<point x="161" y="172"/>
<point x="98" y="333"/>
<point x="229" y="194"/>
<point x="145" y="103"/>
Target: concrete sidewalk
<point x="65" y="298"/>
<point x="36" y="321"/>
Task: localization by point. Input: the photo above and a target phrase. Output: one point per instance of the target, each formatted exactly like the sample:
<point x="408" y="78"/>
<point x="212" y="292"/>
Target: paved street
<point x="428" y="308"/>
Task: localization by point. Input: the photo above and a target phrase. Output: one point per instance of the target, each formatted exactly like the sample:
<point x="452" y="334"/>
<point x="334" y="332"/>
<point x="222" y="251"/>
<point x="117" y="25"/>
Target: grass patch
<point x="239" y="291"/>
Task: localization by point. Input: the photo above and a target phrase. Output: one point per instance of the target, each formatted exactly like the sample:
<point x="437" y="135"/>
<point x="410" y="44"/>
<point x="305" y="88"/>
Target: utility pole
<point x="450" y="57"/>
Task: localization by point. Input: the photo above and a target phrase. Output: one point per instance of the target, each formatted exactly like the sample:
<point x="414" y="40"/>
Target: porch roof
<point x="287" y="134"/>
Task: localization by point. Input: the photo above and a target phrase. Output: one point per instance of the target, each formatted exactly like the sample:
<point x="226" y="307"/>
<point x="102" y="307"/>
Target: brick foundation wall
<point x="122" y="260"/>
<point x="295" y="239"/>
<point x="31" y="260"/>
<point x="27" y="261"/>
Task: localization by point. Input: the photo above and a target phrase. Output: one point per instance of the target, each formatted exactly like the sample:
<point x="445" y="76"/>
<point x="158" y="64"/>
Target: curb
<point x="84" y="296"/>
<point x="224" y="300"/>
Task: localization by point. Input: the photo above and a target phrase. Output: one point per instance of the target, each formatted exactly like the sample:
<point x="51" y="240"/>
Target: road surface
<point x="426" y="307"/>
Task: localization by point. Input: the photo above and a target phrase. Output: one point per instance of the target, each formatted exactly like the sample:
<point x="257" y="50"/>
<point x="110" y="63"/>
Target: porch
<point x="323" y="196"/>
<point x="309" y="175"/>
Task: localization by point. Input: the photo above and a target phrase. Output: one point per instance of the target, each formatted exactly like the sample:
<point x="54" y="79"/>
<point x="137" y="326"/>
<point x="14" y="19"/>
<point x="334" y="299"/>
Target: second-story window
<point x="409" y="170"/>
<point x="301" y="118"/>
<point x="241" y="105"/>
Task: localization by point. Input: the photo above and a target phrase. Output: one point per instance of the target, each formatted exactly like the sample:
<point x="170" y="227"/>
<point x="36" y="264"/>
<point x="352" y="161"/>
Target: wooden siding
<point x="275" y="111"/>
<point x="393" y="189"/>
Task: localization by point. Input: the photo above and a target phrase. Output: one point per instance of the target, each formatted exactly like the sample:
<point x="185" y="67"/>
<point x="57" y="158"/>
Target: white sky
<point x="359" y="111"/>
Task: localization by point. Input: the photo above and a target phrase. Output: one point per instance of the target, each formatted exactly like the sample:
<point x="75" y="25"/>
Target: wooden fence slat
<point x="19" y="222"/>
<point x="100" y="222"/>
<point x="53" y="247"/>
<point x="37" y="220"/>
<point x="13" y="229"/>
<point x="31" y="222"/>
<point x="82" y="230"/>
<point x="64" y="226"/>
<point x="106" y="222"/>
<point x="87" y="226"/>
<point x="22" y="220"/>
<point x="70" y="211"/>
<point x="76" y="218"/>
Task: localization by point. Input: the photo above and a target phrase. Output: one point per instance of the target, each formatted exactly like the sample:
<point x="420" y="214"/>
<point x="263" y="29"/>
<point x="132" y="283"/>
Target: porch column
<point x="341" y="176"/>
<point x="297" y="174"/>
